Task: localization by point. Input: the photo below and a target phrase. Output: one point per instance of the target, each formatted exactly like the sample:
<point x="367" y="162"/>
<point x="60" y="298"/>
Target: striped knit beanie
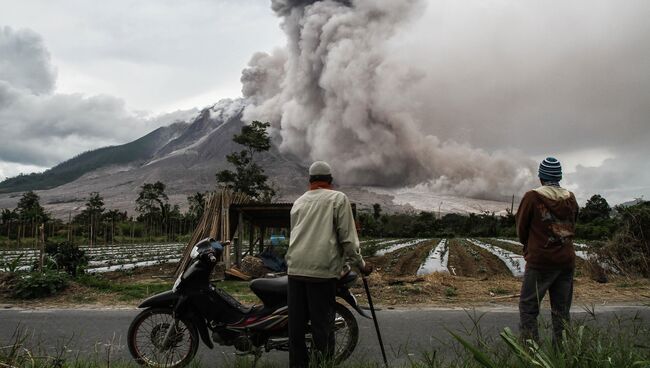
<point x="550" y="170"/>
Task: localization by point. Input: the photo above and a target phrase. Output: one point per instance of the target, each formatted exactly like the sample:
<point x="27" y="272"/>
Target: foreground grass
<point x="124" y="291"/>
<point x="589" y="343"/>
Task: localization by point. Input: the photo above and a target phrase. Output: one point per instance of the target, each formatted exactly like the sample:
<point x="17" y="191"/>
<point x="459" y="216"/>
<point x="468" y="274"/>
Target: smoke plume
<point x="333" y="93"/>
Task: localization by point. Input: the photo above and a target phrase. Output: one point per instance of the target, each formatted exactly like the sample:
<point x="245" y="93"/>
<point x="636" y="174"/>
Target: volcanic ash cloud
<point x="334" y="94"/>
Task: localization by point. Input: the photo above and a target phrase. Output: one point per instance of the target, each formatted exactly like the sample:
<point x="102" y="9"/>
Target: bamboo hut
<point x="226" y="216"/>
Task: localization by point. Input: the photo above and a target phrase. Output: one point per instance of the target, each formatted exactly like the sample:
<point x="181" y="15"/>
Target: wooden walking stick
<point x="374" y="319"/>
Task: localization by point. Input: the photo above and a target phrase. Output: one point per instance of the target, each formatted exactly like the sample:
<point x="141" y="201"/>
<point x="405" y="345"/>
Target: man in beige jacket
<point x="323" y="238"/>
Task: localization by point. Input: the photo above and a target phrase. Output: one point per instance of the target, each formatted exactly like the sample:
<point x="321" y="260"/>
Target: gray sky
<point x="570" y="79"/>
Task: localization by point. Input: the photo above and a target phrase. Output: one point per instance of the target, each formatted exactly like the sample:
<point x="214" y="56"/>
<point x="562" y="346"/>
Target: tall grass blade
<point x="479" y="356"/>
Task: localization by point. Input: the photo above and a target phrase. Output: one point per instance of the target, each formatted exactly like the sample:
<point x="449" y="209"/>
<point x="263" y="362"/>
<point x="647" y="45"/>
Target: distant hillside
<point x="633" y="202"/>
<point x="137" y="151"/>
<point x="186" y="157"/>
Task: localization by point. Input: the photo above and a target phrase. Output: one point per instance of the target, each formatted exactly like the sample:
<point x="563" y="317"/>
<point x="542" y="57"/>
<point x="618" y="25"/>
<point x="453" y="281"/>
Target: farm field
<point x="404" y="257"/>
<point x="469" y="260"/>
<point x="119" y="289"/>
<point x="583" y="267"/>
<point x="104" y="258"/>
<point x="479" y="271"/>
<point x="455" y="272"/>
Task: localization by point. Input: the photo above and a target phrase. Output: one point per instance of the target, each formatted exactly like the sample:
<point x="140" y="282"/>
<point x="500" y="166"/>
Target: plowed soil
<point x="468" y="260"/>
<point x="403" y="262"/>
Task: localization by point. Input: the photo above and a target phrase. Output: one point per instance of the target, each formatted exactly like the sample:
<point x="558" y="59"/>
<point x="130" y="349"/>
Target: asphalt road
<point x="100" y="334"/>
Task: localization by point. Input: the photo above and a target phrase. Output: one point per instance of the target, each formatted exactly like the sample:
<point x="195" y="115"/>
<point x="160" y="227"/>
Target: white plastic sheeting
<point x="113" y="257"/>
<point x="437" y="260"/>
<point x="399" y="245"/>
<point x="128" y="260"/>
<point x="389" y="241"/>
<point x="515" y="262"/>
<point x="509" y="241"/>
<point x="129" y="266"/>
<point x="580" y="247"/>
<point x="582" y="251"/>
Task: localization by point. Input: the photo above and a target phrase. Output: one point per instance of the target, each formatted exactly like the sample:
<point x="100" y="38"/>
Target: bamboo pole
<point x="240" y="239"/>
<point x="214" y="223"/>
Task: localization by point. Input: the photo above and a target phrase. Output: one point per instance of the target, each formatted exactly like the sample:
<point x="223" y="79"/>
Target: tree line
<point x="597" y="220"/>
<point x="155" y="220"/>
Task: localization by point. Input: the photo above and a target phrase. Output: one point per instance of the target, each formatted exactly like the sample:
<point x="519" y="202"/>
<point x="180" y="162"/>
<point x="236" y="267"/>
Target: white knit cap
<point x="320" y="168"/>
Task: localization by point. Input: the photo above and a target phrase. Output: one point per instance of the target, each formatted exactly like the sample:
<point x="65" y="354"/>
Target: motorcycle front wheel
<point x="346" y="333"/>
<point x="147" y="334"/>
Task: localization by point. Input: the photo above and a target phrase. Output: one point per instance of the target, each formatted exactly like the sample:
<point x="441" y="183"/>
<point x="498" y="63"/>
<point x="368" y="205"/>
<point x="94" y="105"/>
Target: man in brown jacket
<point x="546" y="225"/>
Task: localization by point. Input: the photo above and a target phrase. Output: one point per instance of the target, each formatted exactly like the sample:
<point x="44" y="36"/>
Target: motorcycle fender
<point x="186" y="310"/>
<point x="199" y="322"/>
<point x="346" y="295"/>
<point x="165" y="299"/>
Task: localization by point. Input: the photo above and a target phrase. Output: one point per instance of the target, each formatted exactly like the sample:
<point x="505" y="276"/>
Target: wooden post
<point x="41" y="260"/>
<point x="240" y="235"/>
<point x="262" y="234"/>
<point x="91" y="230"/>
<point x="251" y="238"/>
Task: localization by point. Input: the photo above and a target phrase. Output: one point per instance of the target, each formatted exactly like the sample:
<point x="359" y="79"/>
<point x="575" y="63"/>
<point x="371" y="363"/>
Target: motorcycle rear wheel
<point x="146" y="335"/>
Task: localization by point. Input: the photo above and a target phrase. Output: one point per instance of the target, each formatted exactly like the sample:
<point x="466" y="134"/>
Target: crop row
<point x="399" y="245"/>
<point x="109" y="258"/>
<point x="88" y="248"/>
<point x="437" y="260"/>
<point x="515" y="262"/>
<point x="129" y="266"/>
<point x="580" y="248"/>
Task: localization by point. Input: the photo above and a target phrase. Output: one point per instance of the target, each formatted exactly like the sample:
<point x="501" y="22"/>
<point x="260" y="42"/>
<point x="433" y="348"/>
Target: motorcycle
<point x="166" y="333"/>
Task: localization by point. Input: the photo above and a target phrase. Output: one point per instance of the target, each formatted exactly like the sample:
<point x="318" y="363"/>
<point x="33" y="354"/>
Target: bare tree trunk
<point x="90" y="230"/>
<point x="42" y="246"/>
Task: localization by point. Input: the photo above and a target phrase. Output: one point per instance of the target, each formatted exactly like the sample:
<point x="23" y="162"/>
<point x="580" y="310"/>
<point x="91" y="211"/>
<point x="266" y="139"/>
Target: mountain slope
<point x="185" y="161"/>
<point x="186" y="158"/>
<point x="139" y="150"/>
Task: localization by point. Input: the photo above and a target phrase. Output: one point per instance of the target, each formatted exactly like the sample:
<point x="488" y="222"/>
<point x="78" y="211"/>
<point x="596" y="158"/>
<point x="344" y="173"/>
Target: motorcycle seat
<point x="276" y="286"/>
